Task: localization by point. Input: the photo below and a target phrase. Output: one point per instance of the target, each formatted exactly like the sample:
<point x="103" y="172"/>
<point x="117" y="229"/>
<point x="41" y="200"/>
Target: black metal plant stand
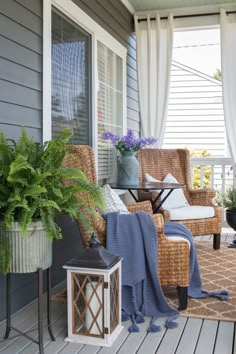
<point x="9" y="326"/>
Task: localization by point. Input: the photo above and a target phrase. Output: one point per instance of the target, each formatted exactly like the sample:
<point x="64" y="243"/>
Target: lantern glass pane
<point x="88" y="304"/>
<point x="114" y="300"/>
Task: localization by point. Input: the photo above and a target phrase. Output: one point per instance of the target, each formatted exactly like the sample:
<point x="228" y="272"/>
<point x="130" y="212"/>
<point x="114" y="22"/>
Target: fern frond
<point x="25" y="219"/>
<point x="52" y="229"/>
<point x="49" y="204"/>
<point x="34" y="190"/>
<point x="73" y="174"/>
<point x="20" y="164"/>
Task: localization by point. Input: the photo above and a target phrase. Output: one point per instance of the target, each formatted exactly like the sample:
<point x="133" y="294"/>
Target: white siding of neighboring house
<point x="195" y="112"/>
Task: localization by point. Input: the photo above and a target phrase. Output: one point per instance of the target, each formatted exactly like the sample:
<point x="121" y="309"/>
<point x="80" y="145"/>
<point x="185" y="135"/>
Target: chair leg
<point x="183" y="297"/>
<point x="216" y="241"/>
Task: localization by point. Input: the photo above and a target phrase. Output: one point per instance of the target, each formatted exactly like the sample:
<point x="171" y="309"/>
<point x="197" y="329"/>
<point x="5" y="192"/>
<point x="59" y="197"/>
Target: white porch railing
<point x="222" y="173"/>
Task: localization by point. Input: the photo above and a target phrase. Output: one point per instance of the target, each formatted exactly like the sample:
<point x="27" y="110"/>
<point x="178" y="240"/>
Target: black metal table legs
<point x="40" y="309"/>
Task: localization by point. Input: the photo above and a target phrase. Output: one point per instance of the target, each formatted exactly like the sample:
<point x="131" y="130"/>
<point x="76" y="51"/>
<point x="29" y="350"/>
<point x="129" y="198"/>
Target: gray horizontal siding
<point x="20" y="75"/>
<point x="34" y="6"/>
<point x="21" y="67"/>
<point x="20" y="34"/>
<point x="115" y="19"/>
<point x="15" y="115"/>
<point x="195" y="112"/>
<point x="20" y="99"/>
<point x="16" y="12"/>
<point x="15" y="53"/>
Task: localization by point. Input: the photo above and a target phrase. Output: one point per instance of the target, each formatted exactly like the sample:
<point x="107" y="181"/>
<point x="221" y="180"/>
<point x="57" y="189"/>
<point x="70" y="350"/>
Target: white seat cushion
<point x="178" y="238"/>
<point x="176" y="199"/>
<point x="149" y="178"/>
<point x="113" y="201"/>
<point x="191" y="212"/>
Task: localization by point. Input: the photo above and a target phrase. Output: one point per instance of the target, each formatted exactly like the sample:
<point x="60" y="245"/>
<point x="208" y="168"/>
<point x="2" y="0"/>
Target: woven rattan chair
<point x="158" y="163"/>
<point x="173" y="255"/>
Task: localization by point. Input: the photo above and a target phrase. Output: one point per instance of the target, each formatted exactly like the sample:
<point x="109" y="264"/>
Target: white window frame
<point x="71" y="10"/>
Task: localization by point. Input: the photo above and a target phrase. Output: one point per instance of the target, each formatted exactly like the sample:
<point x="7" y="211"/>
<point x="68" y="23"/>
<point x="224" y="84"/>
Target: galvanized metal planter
<point x="30" y="252"/>
<point x="128" y="169"/>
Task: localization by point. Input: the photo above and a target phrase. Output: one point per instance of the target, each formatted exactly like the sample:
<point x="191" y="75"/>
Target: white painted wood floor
<point x="192" y="336"/>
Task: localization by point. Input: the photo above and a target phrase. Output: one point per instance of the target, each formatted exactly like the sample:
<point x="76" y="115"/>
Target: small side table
<point x="151" y="186"/>
<point x="40" y="309"/>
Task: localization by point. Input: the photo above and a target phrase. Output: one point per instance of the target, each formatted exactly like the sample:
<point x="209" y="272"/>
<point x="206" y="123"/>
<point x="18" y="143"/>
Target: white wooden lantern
<point x="94" y="296"/>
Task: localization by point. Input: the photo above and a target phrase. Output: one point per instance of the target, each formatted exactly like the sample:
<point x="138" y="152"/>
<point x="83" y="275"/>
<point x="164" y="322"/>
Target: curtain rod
<point x="184" y="16"/>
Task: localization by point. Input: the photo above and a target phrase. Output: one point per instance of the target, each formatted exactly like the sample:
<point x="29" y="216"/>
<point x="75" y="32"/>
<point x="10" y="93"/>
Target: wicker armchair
<point x="173" y="255"/>
<point x="158" y="163"/>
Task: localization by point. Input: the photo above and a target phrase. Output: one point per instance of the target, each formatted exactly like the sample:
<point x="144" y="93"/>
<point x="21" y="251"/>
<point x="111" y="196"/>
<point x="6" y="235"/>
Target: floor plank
<point x="224" y="339"/>
<point x="171" y="339"/>
<point x="71" y="348"/>
<point x="189" y="337"/>
<point x="57" y="326"/>
<point x="152" y="340"/>
<point x="118" y="342"/>
<point x="207" y="337"/>
<point x="16" y="341"/>
<point x="134" y="340"/>
<point x="89" y="349"/>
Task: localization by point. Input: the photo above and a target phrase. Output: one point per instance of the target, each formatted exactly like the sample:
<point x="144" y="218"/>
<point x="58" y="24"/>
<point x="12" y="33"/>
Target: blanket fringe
<point x="139" y="317"/>
<point x="133" y="327"/>
<point x="222" y="295"/>
<point x="170" y="322"/>
<point x="153" y="328"/>
<point x="124" y="316"/>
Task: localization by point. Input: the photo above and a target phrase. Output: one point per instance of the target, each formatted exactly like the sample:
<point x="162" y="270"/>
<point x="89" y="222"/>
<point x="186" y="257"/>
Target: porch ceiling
<point x="144" y="5"/>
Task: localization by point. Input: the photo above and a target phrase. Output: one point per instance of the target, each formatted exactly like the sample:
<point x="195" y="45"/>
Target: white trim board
<point x="192" y="10"/>
<point x="129" y="7"/>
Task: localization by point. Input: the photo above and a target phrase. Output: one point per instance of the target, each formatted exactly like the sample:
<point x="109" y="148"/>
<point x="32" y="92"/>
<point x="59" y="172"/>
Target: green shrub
<point x="196" y="170"/>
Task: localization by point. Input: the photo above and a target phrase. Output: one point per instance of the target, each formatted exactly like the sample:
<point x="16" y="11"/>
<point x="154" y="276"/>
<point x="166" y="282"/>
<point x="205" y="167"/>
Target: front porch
<point x="207" y="336"/>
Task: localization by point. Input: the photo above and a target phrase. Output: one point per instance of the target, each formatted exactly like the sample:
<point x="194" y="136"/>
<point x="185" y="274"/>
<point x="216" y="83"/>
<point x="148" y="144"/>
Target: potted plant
<point x="34" y="188"/>
<point x="228" y="200"/>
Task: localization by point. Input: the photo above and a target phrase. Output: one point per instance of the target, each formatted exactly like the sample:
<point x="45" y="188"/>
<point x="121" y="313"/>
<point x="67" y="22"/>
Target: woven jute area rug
<point x="218" y="271"/>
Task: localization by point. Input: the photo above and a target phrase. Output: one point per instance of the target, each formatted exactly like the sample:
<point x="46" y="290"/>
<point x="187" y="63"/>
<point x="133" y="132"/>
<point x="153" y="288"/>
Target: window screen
<point x="71" y="63"/>
<point x="109" y="104"/>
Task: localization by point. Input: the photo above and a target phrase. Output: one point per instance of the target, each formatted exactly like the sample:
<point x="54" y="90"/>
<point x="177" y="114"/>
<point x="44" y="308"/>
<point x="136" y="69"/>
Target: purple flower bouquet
<point x="127" y="142"/>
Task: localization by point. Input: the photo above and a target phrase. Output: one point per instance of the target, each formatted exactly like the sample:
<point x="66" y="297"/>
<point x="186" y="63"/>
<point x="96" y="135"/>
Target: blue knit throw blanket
<point x="134" y="237"/>
<point x="195" y="286"/>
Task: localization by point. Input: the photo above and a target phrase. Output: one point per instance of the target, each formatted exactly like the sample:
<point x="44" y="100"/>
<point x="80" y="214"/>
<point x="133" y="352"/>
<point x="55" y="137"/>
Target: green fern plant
<point x="33" y="187"/>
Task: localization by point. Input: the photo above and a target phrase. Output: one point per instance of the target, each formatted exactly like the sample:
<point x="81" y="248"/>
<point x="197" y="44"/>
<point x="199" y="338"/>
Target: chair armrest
<point x="170" y="271"/>
<point x="145" y="206"/>
<point x="202" y="196"/>
<point x="159" y="223"/>
<point x="165" y="213"/>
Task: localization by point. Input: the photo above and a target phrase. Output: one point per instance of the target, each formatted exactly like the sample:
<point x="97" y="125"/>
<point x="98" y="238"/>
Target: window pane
<point x="110" y="104"/>
<point x="71" y="99"/>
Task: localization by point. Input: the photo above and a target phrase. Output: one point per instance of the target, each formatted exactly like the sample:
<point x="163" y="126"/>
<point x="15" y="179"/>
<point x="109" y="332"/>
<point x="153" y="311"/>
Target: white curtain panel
<point x="154" y="58"/>
<point x="228" y="69"/>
